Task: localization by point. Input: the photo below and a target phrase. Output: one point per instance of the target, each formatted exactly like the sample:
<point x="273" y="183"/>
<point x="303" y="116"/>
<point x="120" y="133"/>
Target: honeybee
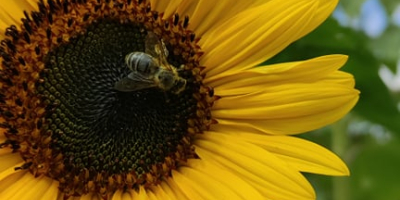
<point x="151" y="69"/>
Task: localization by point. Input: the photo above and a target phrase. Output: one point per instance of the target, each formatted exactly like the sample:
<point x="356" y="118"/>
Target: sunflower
<point x="148" y="99"/>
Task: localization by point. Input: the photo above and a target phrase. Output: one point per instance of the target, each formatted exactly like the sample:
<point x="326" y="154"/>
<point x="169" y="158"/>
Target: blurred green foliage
<point x="372" y="149"/>
<point x="352" y="7"/>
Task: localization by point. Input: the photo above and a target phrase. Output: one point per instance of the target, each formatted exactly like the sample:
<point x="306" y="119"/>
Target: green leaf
<point x="390" y="5"/>
<point x="352" y="7"/>
<point x="387" y="47"/>
<point x="375" y="173"/>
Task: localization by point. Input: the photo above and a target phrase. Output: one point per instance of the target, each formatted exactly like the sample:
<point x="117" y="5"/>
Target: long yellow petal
<point x="305" y="106"/>
<point x="269" y="175"/>
<point x="341" y="78"/>
<point x="34" y="189"/>
<point x="141" y="195"/>
<point x="325" y="9"/>
<point x="8" y="160"/>
<point x="210" y="14"/>
<point x="152" y="195"/>
<point x="5" y="150"/>
<point x="190" y="188"/>
<point x="294" y="125"/>
<point x="284" y="101"/>
<point x="223" y="177"/>
<point x="260" y="82"/>
<point x="301" y="71"/>
<point x="304" y="155"/>
<point x="159" y="193"/>
<point x="12" y="12"/>
<point x="262" y="31"/>
<point x="301" y="154"/>
<point x="173" y="189"/>
<point x="19" y="187"/>
<point x="126" y="196"/>
<point x="195" y="178"/>
<point x="9" y="177"/>
<point x="187" y="8"/>
<point x="117" y="195"/>
<point x="51" y="193"/>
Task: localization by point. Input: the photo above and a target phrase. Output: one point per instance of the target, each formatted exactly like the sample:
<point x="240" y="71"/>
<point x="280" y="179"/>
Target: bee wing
<point x="133" y="82"/>
<point x="156" y="48"/>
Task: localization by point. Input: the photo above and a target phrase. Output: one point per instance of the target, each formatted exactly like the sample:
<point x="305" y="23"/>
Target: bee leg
<point x="181" y="68"/>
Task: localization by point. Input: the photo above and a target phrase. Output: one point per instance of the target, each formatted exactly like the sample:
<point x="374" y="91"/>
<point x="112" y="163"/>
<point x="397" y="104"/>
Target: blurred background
<point x="367" y="139"/>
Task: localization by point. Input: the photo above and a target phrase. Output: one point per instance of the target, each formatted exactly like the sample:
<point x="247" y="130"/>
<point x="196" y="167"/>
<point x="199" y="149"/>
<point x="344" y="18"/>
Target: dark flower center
<point x="99" y="128"/>
<point x="61" y="112"/>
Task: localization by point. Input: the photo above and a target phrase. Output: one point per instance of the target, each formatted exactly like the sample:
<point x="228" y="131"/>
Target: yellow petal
<point x="22" y="185"/>
<point x="191" y="180"/>
<point x="122" y="195"/>
<point x="190" y="188"/>
<point x="152" y="195"/>
<point x="301" y="71"/>
<point x="340" y="77"/>
<point x="187" y="7"/>
<point x="301" y="154"/>
<point x="9" y="159"/>
<point x="141" y="195"/>
<point x="51" y="193"/>
<point x="289" y="125"/>
<point x="261" y="169"/>
<point x="284" y="101"/>
<point x="126" y="196"/>
<point x="166" y="7"/>
<point x="287" y="109"/>
<point x="208" y="14"/>
<point x="117" y="195"/>
<point x="34" y="189"/>
<point x="12" y="12"/>
<point x="160" y="192"/>
<point x="254" y="35"/>
<point x="9" y="177"/>
<point x="19" y="187"/>
<point x="259" y="82"/>
<point x="4" y="150"/>
<point x="172" y="190"/>
<point x="225" y="178"/>
<point x="325" y="8"/>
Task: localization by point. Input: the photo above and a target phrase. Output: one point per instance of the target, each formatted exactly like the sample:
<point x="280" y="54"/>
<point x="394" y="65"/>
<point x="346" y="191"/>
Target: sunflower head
<point x="102" y="98"/>
<point x="60" y="108"/>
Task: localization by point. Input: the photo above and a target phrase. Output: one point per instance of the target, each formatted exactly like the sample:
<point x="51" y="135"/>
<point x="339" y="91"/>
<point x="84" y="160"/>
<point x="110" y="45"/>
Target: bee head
<point x="166" y="79"/>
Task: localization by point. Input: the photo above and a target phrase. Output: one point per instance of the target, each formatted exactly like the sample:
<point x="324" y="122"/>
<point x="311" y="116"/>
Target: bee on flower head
<point x="151" y="69"/>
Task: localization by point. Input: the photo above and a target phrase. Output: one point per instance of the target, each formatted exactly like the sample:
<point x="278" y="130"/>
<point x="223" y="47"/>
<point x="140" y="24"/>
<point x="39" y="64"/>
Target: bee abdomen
<point x="140" y="62"/>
